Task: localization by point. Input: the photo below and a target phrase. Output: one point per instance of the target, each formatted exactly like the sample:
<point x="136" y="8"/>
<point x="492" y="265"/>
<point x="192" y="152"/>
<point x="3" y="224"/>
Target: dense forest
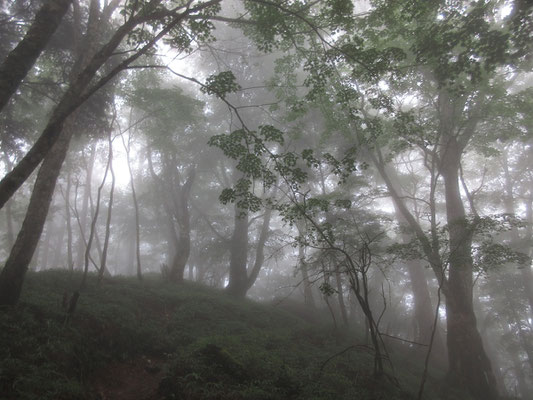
<point x="366" y="164"/>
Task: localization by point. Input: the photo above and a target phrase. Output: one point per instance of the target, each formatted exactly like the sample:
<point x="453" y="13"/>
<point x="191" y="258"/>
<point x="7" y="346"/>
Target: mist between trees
<point x="369" y="158"/>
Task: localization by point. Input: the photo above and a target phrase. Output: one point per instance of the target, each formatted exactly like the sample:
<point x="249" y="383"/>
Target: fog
<point x="367" y="161"/>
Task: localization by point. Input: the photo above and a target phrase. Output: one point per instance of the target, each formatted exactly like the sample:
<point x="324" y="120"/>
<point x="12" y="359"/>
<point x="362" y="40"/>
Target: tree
<point x="20" y="60"/>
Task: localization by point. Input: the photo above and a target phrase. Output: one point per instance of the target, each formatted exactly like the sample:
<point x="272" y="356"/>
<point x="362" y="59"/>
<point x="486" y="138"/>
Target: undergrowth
<point x="211" y="346"/>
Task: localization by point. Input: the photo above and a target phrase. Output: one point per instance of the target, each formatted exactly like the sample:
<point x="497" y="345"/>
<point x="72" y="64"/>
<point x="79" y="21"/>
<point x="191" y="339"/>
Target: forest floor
<point x="156" y="340"/>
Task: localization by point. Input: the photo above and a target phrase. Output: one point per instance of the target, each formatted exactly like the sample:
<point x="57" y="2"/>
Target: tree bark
<point x="12" y="276"/>
<point x="20" y="60"/>
<point x="238" y="279"/>
<point x="10" y="233"/>
<point x="469" y="364"/>
<point x="181" y="206"/>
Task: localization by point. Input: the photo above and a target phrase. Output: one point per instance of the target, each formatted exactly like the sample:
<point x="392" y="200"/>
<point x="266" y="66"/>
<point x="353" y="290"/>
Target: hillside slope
<point x="162" y="341"/>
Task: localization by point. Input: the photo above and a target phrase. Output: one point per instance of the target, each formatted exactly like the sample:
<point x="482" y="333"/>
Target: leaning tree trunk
<point x="12" y="276"/>
<point x="469" y="364"/>
<point x="20" y="60"/>
<point x="54" y="143"/>
<point x="10" y="235"/>
<point x="78" y="92"/>
<point x="424" y="312"/>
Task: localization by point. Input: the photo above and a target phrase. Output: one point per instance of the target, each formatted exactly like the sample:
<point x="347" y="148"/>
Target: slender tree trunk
<point x="136" y="208"/>
<point x="238" y="278"/>
<point x="308" y="290"/>
<point x="12" y="276"/>
<point x="524" y="244"/>
<point x="93" y="233"/>
<point x="20" y="60"/>
<point x="77" y="93"/>
<point x="103" y="260"/>
<point x="59" y="246"/>
<point x="137" y="229"/>
<point x="340" y="296"/>
<point x="70" y="260"/>
<point x="85" y="207"/>
<point x="260" y="248"/>
<point x="96" y="237"/>
<point x="424" y="310"/>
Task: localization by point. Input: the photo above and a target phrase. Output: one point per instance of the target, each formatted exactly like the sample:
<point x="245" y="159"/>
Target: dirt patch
<point x="136" y="379"/>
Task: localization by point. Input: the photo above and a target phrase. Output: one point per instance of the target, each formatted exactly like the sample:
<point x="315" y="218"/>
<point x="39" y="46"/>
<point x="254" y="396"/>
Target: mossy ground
<point x="158" y="340"/>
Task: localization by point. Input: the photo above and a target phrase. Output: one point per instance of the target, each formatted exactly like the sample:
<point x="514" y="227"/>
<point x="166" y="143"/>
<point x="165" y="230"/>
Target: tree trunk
<point x="468" y="362"/>
<point x="59" y="246"/>
<point x="175" y="198"/>
<point x="103" y="260"/>
<point x="76" y="94"/>
<point x="181" y="206"/>
<point x="85" y="207"/>
<point x="238" y="279"/>
<point x="20" y="60"/>
<point x="308" y="290"/>
<point x="136" y="208"/>
<point x="340" y="297"/>
<point x="10" y="233"/>
<point x="12" y="276"/>
<point x="260" y="249"/>
<point x="424" y="311"/>
<point x="520" y="244"/>
<point x="46" y="243"/>
<point x="70" y="260"/>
